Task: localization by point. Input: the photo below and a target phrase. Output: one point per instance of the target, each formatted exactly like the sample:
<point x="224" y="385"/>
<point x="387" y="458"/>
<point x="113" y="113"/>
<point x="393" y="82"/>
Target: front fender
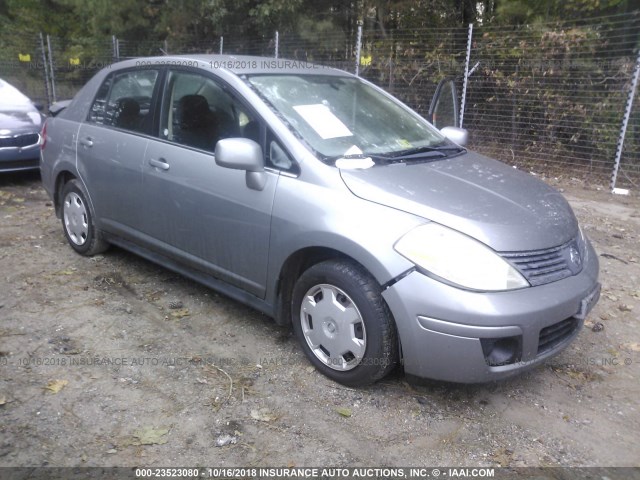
<point x="307" y="216"/>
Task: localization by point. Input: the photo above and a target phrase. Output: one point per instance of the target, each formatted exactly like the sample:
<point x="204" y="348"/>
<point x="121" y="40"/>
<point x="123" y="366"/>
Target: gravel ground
<point x="114" y="361"/>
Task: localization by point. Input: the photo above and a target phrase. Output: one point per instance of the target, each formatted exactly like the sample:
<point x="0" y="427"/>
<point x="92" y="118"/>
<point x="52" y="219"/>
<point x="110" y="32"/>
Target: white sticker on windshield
<point x="354" y="163"/>
<point x="325" y="123"/>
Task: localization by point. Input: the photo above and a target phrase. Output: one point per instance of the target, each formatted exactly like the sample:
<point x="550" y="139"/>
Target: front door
<point x="200" y="212"/>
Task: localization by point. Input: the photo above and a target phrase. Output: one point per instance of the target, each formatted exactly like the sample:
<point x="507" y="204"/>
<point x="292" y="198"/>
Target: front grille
<point x="556" y="334"/>
<point x="19" y="141"/>
<point x="548" y="265"/>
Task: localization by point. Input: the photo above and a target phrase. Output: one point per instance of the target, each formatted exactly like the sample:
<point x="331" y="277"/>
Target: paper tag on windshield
<point x="323" y="121"/>
<point x="354" y="163"/>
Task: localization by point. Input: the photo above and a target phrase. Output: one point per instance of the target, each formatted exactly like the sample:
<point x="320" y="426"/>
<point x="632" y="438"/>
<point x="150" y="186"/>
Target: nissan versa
<point x="319" y="199"/>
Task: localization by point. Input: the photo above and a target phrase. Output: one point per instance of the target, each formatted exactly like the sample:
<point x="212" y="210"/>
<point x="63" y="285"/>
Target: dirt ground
<point x="114" y="361"/>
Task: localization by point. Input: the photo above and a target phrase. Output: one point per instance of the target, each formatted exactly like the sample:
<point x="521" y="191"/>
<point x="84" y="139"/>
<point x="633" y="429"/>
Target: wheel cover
<point x="75" y="218"/>
<point x="333" y="327"/>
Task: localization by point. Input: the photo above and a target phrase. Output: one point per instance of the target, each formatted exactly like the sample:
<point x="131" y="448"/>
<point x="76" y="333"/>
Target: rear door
<point x="112" y="144"/>
<point x="195" y="210"/>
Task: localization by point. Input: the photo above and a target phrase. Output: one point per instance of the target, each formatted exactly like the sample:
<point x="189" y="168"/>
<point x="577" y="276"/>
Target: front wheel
<point x="77" y="220"/>
<point x="343" y="324"/>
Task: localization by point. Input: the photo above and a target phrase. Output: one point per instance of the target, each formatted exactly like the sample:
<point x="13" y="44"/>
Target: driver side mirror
<point x="444" y="111"/>
<point x="456" y="135"/>
<point x="242" y="154"/>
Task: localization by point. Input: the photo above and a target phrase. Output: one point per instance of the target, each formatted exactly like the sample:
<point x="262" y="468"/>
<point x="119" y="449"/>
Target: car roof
<point x="239" y="64"/>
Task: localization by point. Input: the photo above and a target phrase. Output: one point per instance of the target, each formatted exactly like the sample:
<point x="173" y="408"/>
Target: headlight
<point x="458" y="259"/>
<point x="582" y="244"/>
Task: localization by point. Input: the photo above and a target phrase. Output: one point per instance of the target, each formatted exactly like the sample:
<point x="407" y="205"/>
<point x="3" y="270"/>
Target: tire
<point x="77" y="220"/>
<point x="344" y="326"/>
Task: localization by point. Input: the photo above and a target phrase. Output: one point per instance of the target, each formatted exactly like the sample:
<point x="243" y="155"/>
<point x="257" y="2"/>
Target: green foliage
<point x="548" y="90"/>
<point x="510" y="12"/>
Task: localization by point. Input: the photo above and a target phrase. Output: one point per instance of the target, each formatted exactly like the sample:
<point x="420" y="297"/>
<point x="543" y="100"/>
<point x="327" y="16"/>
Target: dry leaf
<point x="54" y="386"/>
<point x="65" y="272"/>
<point x="345" y="412"/>
<point x="180" y="313"/>
<point x="263" y="415"/>
<point x="634" y="346"/>
<point x="150" y="436"/>
<point x="3" y="399"/>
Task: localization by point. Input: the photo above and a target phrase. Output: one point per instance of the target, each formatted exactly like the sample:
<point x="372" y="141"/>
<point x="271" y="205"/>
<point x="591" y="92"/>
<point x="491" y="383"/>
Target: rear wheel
<point x="343" y="324"/>
<point x="77" y="220"/>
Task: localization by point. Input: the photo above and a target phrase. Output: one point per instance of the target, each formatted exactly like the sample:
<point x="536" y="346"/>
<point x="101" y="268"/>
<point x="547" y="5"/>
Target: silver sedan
<point x="319" y="199"/>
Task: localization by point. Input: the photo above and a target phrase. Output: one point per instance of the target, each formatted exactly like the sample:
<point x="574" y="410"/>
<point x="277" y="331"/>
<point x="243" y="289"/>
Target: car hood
<point x="20" y="121"/>
<point x="505" y="208"/>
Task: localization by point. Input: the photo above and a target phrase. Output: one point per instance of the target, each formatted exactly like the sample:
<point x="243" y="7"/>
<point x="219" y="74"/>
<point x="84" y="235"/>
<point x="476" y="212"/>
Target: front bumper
<point x="14" y="159"/>
<point x="445" y="332"/>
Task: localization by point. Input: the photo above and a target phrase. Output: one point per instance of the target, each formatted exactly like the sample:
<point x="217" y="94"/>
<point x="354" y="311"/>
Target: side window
<point x="443" y="111"/>
<point x="98" y="109"/>
<point x="277" y="156"/>
<point x="124" y="101"/>
<point x="198" y="112"/>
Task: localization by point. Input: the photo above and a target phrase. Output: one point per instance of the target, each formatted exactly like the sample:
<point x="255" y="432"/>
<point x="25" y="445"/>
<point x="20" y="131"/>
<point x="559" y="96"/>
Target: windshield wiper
<point x="358" y="156"/>
<point x="421" y="152"/>
<point x="393" y="157"/>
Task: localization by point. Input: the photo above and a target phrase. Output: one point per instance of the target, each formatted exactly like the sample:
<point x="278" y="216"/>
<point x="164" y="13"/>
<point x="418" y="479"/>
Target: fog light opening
<point x="501" y="351"/>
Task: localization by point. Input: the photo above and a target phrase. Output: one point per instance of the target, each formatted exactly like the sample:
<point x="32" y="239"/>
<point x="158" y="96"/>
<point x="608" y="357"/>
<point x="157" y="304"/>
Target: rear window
<point x="124" y="101"/>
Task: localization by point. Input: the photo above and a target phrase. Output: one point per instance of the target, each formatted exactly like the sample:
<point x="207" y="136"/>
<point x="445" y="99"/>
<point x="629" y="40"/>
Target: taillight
<point x="43" y="135"/>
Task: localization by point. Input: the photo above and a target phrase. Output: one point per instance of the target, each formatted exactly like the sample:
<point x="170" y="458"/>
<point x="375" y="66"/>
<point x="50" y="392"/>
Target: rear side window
<point x="124" y="101"/>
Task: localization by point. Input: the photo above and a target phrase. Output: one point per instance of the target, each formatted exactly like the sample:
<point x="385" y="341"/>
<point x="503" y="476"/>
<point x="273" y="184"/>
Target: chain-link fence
<point x="551" y="98"/>
<point x="22" y="63"/>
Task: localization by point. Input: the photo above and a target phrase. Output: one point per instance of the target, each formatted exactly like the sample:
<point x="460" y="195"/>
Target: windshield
<point x="343" y="116"/>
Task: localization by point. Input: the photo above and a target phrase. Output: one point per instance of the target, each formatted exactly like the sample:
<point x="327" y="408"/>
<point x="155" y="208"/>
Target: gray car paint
<point x="203" y="220"/>
<point x="507" y="209"/>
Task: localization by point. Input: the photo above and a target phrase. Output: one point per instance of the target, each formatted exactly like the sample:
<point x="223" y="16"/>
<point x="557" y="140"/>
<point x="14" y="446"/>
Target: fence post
<point x="625" y="122"/>
<point x="53" y="77"/>
<point x="46" y="70"/>
<point x="391" y="55"/>
<point x="466" y="74"/>
<point x="221" y="43"/>
<point x="277" y="42"/>
<point x="358" y="47"/>
<point x="114" y="47"/>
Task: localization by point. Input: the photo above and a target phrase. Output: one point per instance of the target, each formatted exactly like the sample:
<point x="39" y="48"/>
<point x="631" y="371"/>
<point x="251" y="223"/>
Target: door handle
<point x="87" y="142"/>
<point x="160" y="163"/>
